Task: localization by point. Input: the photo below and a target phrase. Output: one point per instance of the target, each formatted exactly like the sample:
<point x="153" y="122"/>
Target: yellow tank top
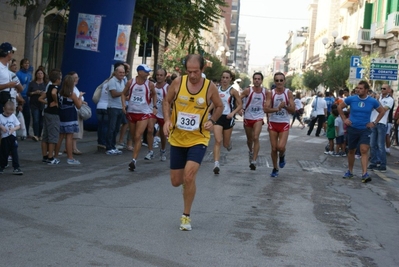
<point x="189" y="113"/>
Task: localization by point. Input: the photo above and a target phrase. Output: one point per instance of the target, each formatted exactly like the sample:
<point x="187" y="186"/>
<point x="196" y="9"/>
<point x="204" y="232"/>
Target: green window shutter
<point x="368" y="14"/>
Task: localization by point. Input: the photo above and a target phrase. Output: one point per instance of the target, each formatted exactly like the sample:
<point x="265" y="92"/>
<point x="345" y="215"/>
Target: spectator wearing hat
<point x="6" y="82"/>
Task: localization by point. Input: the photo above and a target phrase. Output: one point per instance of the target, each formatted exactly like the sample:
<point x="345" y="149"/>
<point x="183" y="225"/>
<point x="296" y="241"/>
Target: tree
<point x="312" y="79"/>
<point x="297" y="82"/>
<point x="214" y="72"/>
<point x="335" y="70"/>
<point x="184" y="18"/>
<point x="33" y="12"/>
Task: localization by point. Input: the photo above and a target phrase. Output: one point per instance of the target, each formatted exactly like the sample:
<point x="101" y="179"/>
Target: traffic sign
<point x="384" y="69"/>
<point x="356" y="71"/>
<point x="356" y="61"/>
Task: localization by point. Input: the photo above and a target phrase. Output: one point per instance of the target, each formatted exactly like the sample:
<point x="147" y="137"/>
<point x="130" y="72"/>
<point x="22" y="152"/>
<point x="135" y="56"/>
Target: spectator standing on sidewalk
<point x="378" y="133"/>
<point x="6" y="81"/>
<point x="320" y="105"/>
<point x="35" y="89"/>
<point x="9" y="124"/>
<point x="359" y="126"/>
<point x="25" y="76"/>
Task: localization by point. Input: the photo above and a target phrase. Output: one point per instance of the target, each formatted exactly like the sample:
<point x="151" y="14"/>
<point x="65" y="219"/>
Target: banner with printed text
<point x="88" y="32"/>
<point x="122" y="42"/>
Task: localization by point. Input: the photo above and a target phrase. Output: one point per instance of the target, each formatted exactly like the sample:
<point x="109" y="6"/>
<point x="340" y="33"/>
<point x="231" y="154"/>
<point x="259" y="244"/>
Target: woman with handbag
<point x="320" y="109"/>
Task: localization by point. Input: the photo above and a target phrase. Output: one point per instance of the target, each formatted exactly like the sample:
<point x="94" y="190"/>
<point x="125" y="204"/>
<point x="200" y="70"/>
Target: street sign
<point x="356" y="71"/>
<point x="385" y="69"/>
<point x="355" y="61"/>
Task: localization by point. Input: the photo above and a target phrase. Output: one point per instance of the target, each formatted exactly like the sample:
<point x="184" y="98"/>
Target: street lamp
<point x="221" y="52"/>
<point x="335" y="44"/>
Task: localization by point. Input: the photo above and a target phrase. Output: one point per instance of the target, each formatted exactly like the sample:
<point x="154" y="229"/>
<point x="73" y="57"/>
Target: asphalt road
<point x="101" y="214"/>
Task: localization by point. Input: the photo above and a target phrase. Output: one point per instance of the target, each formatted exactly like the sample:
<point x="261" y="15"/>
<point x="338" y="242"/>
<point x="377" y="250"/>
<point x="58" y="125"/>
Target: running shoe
<point x="73" y="161"/>
<point x="17" y="171"/>
<point x="185" y="223"/>
<point x="163" y="155"/>
<point x="252" y="166"/>
<point x="132" y="165"/>
<point x="328" y="152"/>
<point x="54" y="161"/>
<point x="45" y="160"/>
<point x="113" y="152"/>
<point x="150" y="155"/>
<point x="347" y="175"/>
<point x="274" y="173"/>
<point x="281" y="164"/>
<point x="366" y="178"/>
<point x="216" y="169"/>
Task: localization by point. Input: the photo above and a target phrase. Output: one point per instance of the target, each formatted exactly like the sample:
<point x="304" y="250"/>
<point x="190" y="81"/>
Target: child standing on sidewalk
<point x="9" y="124"/>
<point x="340" y="147"/>
<point x="331" y="129"/>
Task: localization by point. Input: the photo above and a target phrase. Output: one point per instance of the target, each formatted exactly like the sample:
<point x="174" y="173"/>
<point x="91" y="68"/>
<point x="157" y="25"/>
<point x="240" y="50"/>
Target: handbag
<point x="97" y="92"/>
<point x="84" y="112"/>
<point x="313" y="114"/>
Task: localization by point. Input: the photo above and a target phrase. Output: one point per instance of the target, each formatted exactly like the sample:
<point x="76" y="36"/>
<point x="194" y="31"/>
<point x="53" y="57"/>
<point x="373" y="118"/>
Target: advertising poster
<point x="122" y="42"/>
<point x="88" y="32"/>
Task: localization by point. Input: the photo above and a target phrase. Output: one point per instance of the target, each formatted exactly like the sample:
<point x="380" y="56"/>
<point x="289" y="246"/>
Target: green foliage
<point x="214" y="72"/>
<point x="297" y="82"/>
<point x="173" y="60"/>
<point x="312" y="79"/>
<point x="288" y="81"/>
<point x="335" y="70"/>
<point x="184" y="18"/>
<point x="245" y="81"/>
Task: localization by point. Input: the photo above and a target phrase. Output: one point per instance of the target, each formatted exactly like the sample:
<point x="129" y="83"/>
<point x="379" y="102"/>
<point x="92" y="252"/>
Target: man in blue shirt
<point x="359" y="126"/>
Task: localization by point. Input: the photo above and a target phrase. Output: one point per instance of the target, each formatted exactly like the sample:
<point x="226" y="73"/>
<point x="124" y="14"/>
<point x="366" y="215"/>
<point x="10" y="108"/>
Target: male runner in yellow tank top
<point x="188" y="127"/>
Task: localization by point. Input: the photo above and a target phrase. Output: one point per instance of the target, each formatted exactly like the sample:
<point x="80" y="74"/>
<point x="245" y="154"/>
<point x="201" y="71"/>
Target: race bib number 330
<point x="188" y="121"/>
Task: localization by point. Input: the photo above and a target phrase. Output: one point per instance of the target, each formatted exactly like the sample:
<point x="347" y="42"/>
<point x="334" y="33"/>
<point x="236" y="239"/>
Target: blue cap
<point x="144" y="67"/>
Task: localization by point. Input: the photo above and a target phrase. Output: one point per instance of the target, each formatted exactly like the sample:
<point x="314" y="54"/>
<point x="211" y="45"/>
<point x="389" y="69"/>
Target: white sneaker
<point x="150" y="155"/>
<point x="113" y="152"/>
<point x="157" y="139"/>
<point x="185" y="223"/>
<point x="120" y="146"/>
<point x="73" y="161"/>
<point x="117" y="151"/>
<point x="163" y="155"/>
<point x="155" y="144"/>
<point x="53" y="162"/>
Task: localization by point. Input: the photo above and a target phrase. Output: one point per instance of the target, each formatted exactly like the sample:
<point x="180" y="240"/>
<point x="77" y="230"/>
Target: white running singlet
<point x="282" y="115"/>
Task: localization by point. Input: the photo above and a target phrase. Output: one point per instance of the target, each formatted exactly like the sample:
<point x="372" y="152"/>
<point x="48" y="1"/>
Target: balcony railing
<point x="393" y="22"/>
<point x="377" y="30"/>
<point x="364" y="37"/>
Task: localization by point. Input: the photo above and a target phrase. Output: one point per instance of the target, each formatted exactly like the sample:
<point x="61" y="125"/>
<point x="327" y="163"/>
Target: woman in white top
<point x="298" y="110"/>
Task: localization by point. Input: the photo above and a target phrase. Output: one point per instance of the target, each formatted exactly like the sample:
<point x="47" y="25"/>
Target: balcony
<point x="393" y="23"/>
<point x="377" y="30"/>
<point x="348" y="3"/>
<point x="364" y="37"/>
